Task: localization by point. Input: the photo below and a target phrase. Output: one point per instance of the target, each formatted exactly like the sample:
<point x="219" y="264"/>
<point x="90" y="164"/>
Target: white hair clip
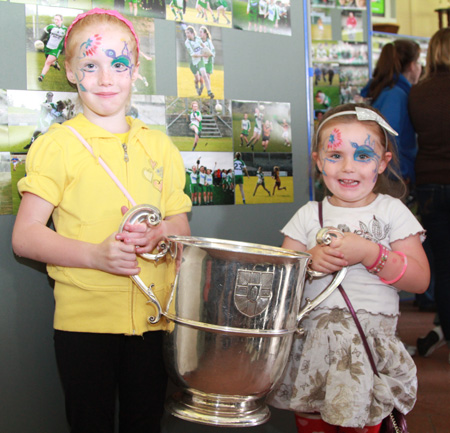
<point x="363" y="114"/>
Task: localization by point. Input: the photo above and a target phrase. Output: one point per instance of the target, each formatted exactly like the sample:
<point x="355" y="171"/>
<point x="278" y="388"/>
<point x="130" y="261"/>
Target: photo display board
<point x="235" y="152"/>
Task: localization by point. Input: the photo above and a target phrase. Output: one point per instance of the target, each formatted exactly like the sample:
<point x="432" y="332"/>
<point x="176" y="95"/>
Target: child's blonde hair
<point x="391" y="176"/>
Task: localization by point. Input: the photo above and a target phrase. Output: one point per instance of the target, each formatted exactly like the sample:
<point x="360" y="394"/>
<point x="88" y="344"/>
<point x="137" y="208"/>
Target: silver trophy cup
<point x="233" y="312"/>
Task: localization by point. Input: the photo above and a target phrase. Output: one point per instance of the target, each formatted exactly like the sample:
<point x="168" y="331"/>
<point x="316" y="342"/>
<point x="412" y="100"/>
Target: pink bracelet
<point x="370" y="268"/>
<point x="402" y="272"/>
<point x="378" y="266"/>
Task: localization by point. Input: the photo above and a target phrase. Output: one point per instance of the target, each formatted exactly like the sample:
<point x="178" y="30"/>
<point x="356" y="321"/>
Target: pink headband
<point x="107" y="12"/>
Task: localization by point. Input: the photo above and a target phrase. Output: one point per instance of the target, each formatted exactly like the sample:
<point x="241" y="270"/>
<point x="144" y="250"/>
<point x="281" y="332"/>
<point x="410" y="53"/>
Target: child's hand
<point x="354" y="248"/>
<point x="115" y="257"/>
<point x="327" y="259"/>
<point x="141" y="236"/>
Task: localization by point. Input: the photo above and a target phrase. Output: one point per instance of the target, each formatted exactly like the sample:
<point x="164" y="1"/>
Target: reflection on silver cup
<point x="232" y="314"/>
<point x="235" y="308"/>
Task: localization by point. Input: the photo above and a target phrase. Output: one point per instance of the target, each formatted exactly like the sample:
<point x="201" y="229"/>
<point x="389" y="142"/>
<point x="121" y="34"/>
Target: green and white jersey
<point x="252" y="5"/>
<point x="56" y="37"/>
<point x="194" y="47"/>
<point x="209" y="179"/>
<point x="273" y="13"/>
<point x="47" y="115"/>
<point x="262" y="7"/>
<point x="239" y="166"/>
<point x="202" y="178"/>
<point x="208" y="43"/>
<point x="177" y="4"/>
<point x="222" y="3"/>
<point x="258" y="121"/>
<point x="260" y="175"/>
<point x="196" y="118"/>
<point x="245" y="125"/>
<point x="193" y="176"/>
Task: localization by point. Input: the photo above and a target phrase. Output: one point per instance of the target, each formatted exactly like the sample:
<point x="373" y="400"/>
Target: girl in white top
<point x="329" y="382"/>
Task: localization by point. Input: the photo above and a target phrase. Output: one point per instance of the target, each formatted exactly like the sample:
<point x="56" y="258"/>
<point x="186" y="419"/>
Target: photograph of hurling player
<point x="200" y="71"/>
<point x="134" y="8"/>
<point x="196" y="124"/>
<point x="263" y="178"/>
<point x="260" y="126"/>
<point x="209" y="177"/>
<point x="208" y="12"/>
<point x="263" y="16"/>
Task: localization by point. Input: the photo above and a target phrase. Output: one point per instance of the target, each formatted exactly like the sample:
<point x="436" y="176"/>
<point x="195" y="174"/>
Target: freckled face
<point x="350" y="157"/>
<point x="104" y="70"/>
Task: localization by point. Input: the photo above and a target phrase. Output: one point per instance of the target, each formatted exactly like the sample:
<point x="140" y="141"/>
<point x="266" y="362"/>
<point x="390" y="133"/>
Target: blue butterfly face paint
<point x="366" y="154"/>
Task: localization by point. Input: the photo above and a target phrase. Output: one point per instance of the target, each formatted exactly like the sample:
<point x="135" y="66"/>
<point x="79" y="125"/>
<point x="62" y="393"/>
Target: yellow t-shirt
<point x="88" y="208"/>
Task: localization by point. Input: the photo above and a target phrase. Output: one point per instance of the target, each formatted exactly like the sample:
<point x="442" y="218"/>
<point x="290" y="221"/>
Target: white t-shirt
<point x="383" y="221"/>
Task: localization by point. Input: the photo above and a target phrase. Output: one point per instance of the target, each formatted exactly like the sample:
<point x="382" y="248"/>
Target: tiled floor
<point x="432" y="411"/>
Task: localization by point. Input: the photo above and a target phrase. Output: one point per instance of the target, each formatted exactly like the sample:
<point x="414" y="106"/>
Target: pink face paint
<point x="89" y="47"/>
<point x="334" y="140"/>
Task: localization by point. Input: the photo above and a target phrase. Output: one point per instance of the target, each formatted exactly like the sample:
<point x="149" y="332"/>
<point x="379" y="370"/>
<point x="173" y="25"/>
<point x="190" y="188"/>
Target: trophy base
<point x="218" y="409"/>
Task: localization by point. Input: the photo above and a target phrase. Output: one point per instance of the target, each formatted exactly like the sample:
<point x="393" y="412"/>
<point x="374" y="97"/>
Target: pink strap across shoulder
<point x="103" y="164"/>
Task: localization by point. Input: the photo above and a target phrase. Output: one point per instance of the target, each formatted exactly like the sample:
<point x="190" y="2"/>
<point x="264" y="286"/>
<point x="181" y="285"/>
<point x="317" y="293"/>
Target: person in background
<point x="429" y="109"/>
<point x="397" y="70"/>
<point x="239" y="169"/>
<point x="53" y="36"/>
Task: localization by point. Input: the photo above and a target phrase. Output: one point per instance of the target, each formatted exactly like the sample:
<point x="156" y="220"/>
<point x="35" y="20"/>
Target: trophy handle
<point x="324" y="237"/>
<point x="145" y="213"/>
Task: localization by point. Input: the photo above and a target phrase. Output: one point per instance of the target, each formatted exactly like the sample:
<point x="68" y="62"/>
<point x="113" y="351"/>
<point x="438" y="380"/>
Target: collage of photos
<point x="340" y="67"/>
<point x="218" y="141"/>
<point x="235" y="152"/>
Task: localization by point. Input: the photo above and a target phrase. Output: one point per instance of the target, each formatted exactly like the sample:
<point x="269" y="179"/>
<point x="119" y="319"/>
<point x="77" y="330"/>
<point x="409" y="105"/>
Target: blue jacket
<point x="392" y="102"/>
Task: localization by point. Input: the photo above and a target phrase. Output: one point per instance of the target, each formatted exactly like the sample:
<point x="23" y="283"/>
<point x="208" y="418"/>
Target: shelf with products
<point x="379" y="39"/>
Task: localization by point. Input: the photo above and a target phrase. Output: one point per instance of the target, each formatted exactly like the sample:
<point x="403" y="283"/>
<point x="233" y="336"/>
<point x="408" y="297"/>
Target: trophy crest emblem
<point x="253" y="291"/>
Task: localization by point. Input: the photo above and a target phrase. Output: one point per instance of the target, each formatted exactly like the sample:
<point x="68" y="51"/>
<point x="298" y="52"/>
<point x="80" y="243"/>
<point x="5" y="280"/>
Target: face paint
<point x="334" y="140"/>
<point x="123" y="60"/>
<point x="89" y="47"/>
<point x="366" y="154"/>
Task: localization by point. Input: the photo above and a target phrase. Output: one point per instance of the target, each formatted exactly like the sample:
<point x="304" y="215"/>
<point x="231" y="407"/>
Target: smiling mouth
<point x="106" y="94"/>
<point x="348" y="182"/>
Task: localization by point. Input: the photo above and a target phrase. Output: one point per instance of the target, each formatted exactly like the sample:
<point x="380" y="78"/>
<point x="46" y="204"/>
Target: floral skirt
<point x="329" y="372"/>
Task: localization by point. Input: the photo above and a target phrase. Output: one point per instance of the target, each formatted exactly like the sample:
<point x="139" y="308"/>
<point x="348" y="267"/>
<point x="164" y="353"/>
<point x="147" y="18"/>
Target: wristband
<point x="378" y="266"/>
<point x="370" y="268"/>
<point x="402" y="272"/>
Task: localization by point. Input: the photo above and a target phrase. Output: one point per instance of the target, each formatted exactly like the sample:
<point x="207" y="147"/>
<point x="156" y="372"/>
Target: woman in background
<point x="397" y="70"/>
<point x="429" y="108"/>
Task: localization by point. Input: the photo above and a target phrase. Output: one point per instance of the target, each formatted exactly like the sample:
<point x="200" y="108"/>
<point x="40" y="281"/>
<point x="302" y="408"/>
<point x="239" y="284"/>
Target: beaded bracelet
<point x="402" y="272"/>
<point x="381" y="260"/>
<point x="369" y="268"/>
